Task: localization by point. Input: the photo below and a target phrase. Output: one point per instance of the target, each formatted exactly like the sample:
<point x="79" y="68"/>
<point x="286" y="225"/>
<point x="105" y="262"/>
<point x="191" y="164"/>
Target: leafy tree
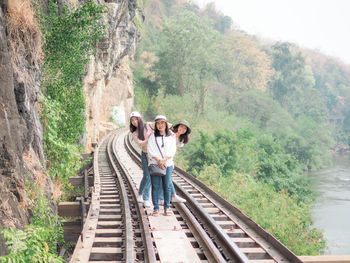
<point x="245" y="65"/>
<point x="262" y="110"/>
<point x="299" y="103"/>
<point x="243" y="152"/>
<point x="186" y="56"/>
<point x="328" y="92"/>
<point x="289" y="66"/>
<point x="222" y="23"/>
<point x="293" y="83"/>
<point x="281" y="170"/>
<point x="234" y="154"/>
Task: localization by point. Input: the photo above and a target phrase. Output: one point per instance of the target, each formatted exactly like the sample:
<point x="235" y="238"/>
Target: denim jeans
<point x="159" y="182"/>
<point x="145" y="185"/>
<point x="172" y="191"/>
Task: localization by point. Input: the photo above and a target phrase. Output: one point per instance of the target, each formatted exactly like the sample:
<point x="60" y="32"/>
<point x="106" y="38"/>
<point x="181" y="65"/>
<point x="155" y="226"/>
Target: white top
<point x="179" y="144"/>
<point x="143" y="144"/>
<point x="168" y="150"/>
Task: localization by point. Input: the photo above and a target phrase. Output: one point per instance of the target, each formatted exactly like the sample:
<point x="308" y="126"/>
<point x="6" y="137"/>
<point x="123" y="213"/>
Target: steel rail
<point x="244" y="222"/>
<point x="129" y="232"/>
<point x="141" y="215"/>
<point x="220" y="236"/>
<point x="150" y="255"/>
<point x="210" y="250"/>
<point x="84" y="245"/>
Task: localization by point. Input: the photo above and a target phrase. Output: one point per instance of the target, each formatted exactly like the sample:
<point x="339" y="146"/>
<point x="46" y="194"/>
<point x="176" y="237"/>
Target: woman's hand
<point x="161" y="163"/>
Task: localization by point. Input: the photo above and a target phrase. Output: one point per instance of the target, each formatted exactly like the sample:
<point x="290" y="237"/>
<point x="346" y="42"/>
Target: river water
<point x="331" y="213"/>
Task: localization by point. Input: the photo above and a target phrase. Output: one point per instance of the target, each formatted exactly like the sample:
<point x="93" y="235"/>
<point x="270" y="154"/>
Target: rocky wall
<point x="21" y="153"/>
<point x="109" y="79"/>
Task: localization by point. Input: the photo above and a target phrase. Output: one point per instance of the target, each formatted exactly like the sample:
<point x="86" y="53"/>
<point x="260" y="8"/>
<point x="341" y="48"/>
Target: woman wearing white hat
<point x="140" y="134"/>
<point x="181" y="133"/>
<point x="161" y="149"/>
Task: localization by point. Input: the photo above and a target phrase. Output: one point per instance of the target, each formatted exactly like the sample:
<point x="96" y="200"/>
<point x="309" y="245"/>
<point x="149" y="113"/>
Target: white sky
<point x="318" y="24"/>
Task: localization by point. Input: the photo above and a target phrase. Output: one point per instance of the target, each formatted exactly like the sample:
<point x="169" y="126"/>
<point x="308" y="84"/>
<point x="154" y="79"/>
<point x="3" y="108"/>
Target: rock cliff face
<point x="21" y="151"/>
<point x="108" y="82"/>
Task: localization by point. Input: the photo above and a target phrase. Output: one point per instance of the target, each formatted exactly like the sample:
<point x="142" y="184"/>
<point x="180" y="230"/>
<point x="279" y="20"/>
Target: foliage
<point x="63" y="158"/>
<point x="118" y="116"/>
<point x="277" y="212"/>
<point x="186" y="56"/>
<point x="145" y="89"/>
<point x="288" y="65"/>
<point x="44" y="216"/>
<point x="293" y="83"/>
<point x="70" y="38"/>
<point x="281" y="169"/>
<point x="261" y="109"/>
<point x="243" y="152"/>
<point x="222" y="23"/>
<point x="309" y="141"/>
<point x="313" y="148"/>
<point x="28" y="246"/>
<point x="245" y="65"/>
<point x="38" y="241"/>
<point x="72" y="192"/>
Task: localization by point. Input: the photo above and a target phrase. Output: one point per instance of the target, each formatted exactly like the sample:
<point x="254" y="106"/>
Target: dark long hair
<point x="183" y="137"/>
<point x="141" y="127"/>
<point x="156" y="131"/>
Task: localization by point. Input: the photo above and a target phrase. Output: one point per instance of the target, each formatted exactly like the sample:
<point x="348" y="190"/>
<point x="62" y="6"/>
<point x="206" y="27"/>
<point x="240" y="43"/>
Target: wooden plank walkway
<point x="171" y="241"/>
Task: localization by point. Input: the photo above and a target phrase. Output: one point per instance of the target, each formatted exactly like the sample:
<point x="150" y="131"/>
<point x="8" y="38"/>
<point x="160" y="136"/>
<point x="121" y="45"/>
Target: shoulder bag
<point x="153" y="168"/>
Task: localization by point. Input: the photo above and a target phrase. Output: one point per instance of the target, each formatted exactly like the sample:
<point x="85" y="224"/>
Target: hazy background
<point x="316" y="24"/>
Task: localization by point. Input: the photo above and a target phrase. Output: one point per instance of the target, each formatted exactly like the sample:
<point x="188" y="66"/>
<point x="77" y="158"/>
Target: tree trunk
<point x="202" y="93"/>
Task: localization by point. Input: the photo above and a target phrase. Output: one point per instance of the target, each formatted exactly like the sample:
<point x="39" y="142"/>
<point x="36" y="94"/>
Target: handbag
<point x="156" y="170"/>
<point x="153" y="168"/>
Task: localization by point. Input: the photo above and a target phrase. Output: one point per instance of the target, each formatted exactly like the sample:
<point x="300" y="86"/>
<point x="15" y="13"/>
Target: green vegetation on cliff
<point x="38" y="241"/>
<point x="69" y="40"/>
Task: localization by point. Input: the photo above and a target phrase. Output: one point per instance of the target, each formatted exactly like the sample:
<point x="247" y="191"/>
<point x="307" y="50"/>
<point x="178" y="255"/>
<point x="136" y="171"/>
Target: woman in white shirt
<point x="161" y="149"/>
<point x="140" y="134"/>
<point x="182" y="132"/>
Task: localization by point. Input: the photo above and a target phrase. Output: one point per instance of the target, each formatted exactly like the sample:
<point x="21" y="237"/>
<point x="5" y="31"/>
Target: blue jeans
<point x="159" y="182"/>
<point x="172" y="191"/>
<point x="145" y="185"/>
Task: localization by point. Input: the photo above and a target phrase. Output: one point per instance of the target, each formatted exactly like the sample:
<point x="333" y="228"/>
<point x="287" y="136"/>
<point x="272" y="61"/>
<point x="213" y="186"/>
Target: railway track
<point x="118" y="229"/>
<point x="237" y="237"/>
<point x="115" y="229"/>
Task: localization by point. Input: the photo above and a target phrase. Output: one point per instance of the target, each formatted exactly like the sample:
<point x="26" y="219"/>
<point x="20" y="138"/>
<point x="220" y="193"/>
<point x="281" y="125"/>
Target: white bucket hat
<point x="158" y="118"/>
<point x="135" y="114"/>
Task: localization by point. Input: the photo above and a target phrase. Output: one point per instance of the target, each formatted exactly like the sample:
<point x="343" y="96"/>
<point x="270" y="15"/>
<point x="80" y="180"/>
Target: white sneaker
<point x="147" y="203"/>
<point x="178" y="199"/>
<point x="139" y="199"/>
<point x="161" y="202"/>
